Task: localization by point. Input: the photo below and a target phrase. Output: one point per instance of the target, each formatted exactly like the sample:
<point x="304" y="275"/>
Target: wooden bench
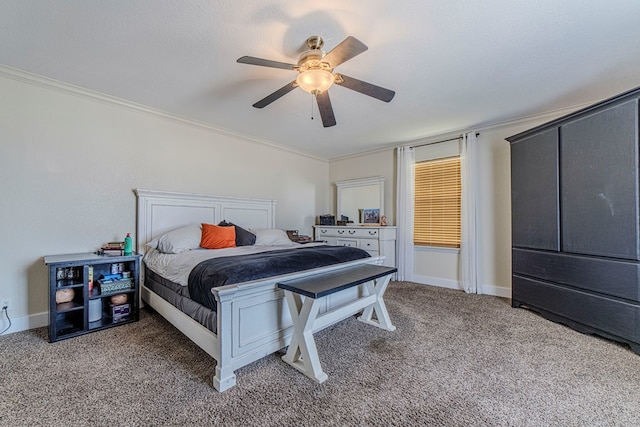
<point x="302" y="353"/>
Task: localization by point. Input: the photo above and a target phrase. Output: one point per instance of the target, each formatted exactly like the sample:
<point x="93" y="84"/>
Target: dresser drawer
<point x="347" y="242"/>
<point x="378" y="241"/>
<point x="368" y="244"/>
<point x="360" y="233"/>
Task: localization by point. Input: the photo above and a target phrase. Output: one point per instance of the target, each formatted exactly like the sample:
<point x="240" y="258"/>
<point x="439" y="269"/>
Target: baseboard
<point x="19" y="324"/>
<point x="437" y="281"/>
<point x="497" y="291"/>
<point x="42" y="319"/>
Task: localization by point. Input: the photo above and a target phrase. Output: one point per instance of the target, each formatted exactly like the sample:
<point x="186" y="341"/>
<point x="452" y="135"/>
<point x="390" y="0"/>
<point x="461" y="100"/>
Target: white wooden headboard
<point x="162" y="211"/>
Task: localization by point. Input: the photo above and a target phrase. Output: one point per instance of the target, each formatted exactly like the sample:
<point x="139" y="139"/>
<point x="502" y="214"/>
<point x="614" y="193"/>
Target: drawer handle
<point x="323" y="231"/>
<point x="373" y="233"/>
<point x="352" y="231"/>
<point x="340" y="231"/>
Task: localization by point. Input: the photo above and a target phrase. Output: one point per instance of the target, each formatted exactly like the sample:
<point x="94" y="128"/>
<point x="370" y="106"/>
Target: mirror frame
<point x="360" y="182"/>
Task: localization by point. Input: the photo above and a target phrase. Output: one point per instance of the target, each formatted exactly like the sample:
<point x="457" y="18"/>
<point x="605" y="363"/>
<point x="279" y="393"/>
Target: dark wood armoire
<point x="575" y="219"/>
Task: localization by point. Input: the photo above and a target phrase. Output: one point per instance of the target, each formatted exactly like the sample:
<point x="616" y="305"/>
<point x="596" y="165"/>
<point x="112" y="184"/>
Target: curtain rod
<point x="439" y="142"/>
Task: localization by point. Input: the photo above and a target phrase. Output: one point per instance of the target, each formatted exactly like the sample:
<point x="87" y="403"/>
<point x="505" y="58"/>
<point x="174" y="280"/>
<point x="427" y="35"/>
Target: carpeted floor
<point x="454" y="360"/>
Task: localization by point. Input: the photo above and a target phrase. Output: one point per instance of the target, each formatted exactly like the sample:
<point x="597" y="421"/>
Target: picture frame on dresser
<point x="370" y="216"/>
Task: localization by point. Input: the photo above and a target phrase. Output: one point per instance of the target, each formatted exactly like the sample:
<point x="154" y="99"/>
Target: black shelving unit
<point x="81" y="287"/>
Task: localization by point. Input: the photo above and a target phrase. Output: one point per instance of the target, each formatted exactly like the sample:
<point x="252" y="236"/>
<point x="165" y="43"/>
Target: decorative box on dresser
<point x="377" y="240"/>
<point x="575" y="219"/>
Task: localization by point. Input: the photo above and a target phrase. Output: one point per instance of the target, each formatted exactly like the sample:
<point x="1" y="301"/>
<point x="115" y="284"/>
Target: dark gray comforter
<point x="236" y="269"/>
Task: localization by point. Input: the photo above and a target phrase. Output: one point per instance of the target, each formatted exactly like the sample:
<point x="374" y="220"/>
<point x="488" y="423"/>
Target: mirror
<point x="357" y="198"/>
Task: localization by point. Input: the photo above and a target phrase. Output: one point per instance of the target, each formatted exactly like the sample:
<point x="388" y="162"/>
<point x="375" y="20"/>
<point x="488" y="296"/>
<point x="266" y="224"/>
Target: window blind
<point x="437" y="203"/>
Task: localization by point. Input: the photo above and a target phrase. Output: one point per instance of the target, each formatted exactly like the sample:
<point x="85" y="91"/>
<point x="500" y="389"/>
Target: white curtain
<point x="469" y="176"/>
<point x="404" y="208"/>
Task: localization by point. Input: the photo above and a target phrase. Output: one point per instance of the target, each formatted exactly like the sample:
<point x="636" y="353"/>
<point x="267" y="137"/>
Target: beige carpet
<point x="455" y="360"/>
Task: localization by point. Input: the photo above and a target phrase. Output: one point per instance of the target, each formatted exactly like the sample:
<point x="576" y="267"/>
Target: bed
<point x="250" y="319"/>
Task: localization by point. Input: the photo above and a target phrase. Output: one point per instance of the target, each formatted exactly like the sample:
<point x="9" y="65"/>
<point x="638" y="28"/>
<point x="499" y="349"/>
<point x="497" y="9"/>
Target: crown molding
<point x="69" y="89"/>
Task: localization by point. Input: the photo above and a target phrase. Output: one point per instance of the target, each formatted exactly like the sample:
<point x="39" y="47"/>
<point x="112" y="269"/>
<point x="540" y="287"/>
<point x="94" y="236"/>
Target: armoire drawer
<point x="609" y="315"/>
<point x="617" y="278"/>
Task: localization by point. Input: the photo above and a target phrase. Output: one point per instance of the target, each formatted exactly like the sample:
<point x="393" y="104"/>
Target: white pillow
<point x="178" y="240"/>
<point x="270" y="237"/>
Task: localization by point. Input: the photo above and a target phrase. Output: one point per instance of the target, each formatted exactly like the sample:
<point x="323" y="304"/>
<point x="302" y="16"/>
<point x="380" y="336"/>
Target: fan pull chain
<point x="312" y="106"/>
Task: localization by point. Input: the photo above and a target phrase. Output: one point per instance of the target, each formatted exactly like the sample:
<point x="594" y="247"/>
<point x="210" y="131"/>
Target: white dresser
<point x="374" y="239"/>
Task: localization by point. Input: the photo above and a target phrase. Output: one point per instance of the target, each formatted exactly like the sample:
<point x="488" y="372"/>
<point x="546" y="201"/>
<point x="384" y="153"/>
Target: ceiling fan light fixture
<point x="315" y="75"/>
<point x="315" y="81"/>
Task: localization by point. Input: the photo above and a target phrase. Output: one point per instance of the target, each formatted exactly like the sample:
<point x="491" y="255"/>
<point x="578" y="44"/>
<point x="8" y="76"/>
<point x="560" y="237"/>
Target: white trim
<point x="25" y="323"/>
<point x="40" y="320"/>
<point x="487" y="289"/>
<point x="51" y="84"/>
<point x="439" y="249"/>
<point x="496" y="291"/>
<point x="437" y="281"/>
<point x="542" y="117"/>
<point x="69" y="89"/>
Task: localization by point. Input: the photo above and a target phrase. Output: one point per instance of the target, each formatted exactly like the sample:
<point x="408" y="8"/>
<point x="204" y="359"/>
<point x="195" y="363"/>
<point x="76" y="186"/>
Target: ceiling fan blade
<point x="372" y="90"/>
<point x="326" y="110"/>
<point x="265" y="62"/>
<point x="346" y="50"/>
<point x="276" y="95"/>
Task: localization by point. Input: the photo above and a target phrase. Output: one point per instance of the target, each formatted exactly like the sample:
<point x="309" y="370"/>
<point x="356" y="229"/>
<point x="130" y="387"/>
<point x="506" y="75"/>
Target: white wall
<point x="441" y="267"/>
<point x="69" y="162"/>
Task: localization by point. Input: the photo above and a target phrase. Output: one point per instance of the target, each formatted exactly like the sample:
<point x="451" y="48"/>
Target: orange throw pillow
<point x="216" y="237"/>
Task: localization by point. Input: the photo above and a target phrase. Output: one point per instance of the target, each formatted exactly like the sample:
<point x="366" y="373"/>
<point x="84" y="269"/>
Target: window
<point x="437" y="203"/>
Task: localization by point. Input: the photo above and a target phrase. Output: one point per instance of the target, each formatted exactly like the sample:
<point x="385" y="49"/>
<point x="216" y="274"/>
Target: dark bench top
<point x="323" y="284"/>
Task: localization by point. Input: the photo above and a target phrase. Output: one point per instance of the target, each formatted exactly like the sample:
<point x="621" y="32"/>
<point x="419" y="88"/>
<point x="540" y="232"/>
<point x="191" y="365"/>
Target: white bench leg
<point x="302" y="353"/>
<point x="377" y="288"/>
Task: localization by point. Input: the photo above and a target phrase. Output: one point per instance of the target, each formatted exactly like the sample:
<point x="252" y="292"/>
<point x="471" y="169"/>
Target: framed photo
<point x="370" y="216"/>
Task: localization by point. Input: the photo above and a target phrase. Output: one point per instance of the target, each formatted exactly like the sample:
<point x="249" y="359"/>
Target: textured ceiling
<point x="454" y="64"/>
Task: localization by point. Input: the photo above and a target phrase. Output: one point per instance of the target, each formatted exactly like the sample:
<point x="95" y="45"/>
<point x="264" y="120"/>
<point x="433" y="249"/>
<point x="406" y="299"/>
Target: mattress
<point x="170" y="275"/>
<point x="178" y="296"/>
<point x="167" y="276"/>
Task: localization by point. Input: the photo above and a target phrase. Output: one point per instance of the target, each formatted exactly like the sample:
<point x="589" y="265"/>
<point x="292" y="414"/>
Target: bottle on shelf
<point x="128" y="244"/>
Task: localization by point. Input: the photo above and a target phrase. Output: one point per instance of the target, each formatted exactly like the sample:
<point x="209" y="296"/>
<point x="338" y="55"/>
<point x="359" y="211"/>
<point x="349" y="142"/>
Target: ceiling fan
<point x="316" y="76"/>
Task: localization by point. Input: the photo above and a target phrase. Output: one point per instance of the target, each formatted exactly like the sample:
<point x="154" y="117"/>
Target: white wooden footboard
<point x="253" y="319"/>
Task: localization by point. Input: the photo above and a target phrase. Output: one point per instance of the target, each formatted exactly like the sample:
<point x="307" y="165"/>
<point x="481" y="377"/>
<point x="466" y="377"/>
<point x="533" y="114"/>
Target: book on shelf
<point x="112" y="248"/>
<point x="112" y="252"/>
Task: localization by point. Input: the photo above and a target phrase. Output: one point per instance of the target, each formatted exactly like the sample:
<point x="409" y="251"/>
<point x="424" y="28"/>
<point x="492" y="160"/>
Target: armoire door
<point x="599" y="164"/>
<point x="534" y="191"/>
